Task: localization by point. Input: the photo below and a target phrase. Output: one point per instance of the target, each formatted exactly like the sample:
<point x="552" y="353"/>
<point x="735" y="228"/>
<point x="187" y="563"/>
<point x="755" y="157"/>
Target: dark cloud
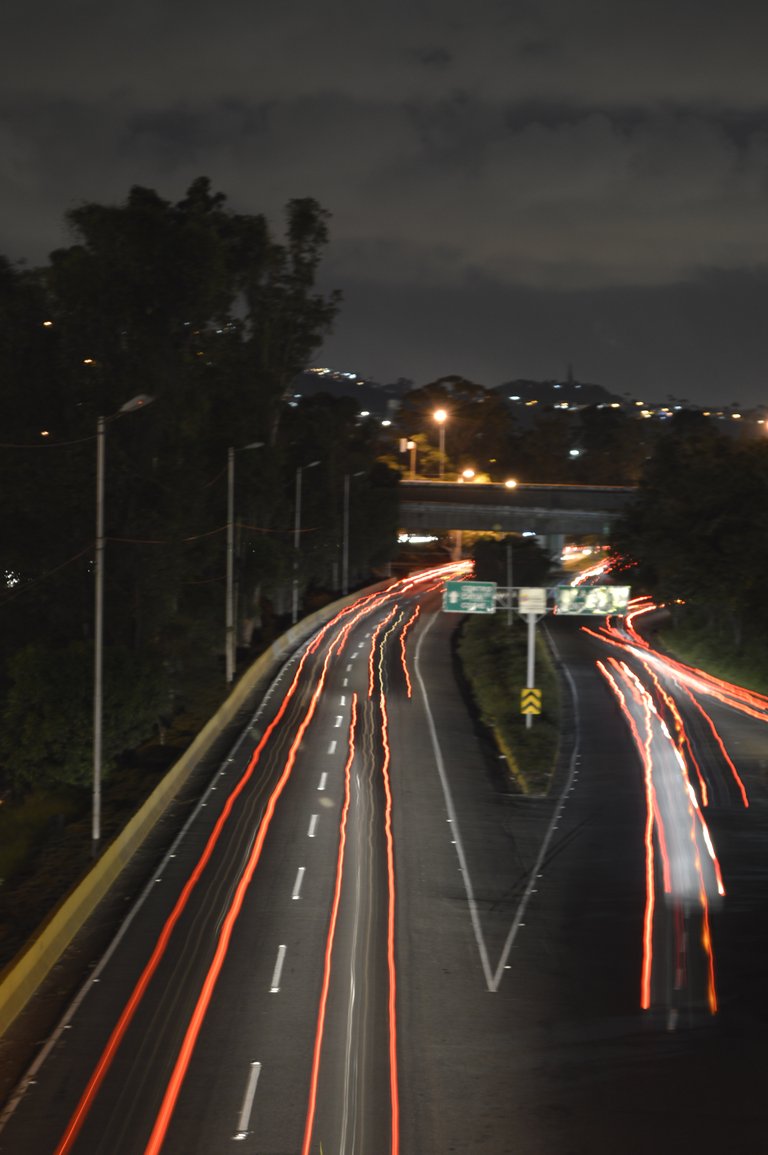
<point x="577" y="159"/>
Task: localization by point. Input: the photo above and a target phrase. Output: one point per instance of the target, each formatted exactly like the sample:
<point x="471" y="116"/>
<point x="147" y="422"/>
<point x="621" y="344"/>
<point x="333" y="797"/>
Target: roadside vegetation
<point x="494" y="661"/>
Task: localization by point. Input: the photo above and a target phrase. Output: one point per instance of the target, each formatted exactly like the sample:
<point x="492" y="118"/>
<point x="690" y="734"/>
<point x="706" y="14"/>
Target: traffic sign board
<point x="530" y="701"/>
<point x="470" y="597"/>
<point x="597" y="599"/>
<point x="531" y="600"/>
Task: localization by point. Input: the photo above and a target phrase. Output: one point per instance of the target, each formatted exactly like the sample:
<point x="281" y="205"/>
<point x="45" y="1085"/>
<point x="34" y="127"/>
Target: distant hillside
<point x="556" y="392"/>
<point x="379" y="400"/>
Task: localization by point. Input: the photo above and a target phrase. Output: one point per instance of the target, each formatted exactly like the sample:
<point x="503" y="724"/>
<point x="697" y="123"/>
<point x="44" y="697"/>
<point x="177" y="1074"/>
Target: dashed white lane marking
<point x="312" y="826"/>
<point x="297" y="884"/>
<point x="343" y="701"/>
<point x="247" y="1107"/>
<point x="275" y="984"/>
<point x="332" y="747"/>
<point x="323" y="780"/>
<point x="339" y="720"/>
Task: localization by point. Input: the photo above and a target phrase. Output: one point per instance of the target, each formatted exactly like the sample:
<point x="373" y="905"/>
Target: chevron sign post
<point x="530" y="701"/>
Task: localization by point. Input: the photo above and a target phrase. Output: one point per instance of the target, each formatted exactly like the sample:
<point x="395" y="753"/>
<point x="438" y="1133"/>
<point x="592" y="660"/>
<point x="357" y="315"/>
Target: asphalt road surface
<point x="362" y="944"/>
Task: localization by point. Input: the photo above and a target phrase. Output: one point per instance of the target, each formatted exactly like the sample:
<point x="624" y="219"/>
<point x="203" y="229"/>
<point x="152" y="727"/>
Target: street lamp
<point x="411" y="447"/>
<point x="296" y="533"/>
<point x="137" y="402"/>
<point x="229" y="638"/>
<point x="441" y="417"/>
<point x="345" y="546"/>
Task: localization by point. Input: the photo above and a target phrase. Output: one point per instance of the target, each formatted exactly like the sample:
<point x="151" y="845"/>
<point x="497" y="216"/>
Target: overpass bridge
<point x="549" y="511"/>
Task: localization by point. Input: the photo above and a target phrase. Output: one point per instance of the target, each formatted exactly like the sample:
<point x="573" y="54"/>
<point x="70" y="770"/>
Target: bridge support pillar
<point x="553" y="544"/>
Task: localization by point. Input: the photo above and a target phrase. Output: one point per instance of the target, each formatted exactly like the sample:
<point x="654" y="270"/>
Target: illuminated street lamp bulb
<point x="511" y="483"/>
<point x="440" y="417"/>
<point x="467" y="474"/>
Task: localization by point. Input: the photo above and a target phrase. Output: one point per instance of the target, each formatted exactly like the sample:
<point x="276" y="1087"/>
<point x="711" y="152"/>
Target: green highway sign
<point x="587" y="599"/>
<point x="470" y="597"/>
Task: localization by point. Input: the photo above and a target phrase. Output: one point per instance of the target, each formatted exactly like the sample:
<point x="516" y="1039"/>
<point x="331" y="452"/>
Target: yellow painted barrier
<point x="24" y="974"/>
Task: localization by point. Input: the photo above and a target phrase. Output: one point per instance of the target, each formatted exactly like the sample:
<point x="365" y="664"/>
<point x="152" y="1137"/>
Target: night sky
<point x="514" y="186"/>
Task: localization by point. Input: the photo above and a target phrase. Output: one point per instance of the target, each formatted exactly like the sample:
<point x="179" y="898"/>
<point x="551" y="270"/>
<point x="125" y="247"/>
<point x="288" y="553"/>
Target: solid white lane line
<point x="312" y="826"/>
<point x="247" y="1107"/>
<point x="536" y="872"/>
<point x="473" y="913"/>
<point x="332" y="747"/>
<point x="323" y="780"/>
<point x="275" y="985"/>
<point x="493" y="979"/>
<point x="297" y="884"/>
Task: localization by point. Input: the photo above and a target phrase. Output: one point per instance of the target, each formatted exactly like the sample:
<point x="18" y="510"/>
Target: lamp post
<point x="345" y="543"/>
<point x="137" y="402"/>
<point x="441" y="417"/>
<point x="229" y="638"/>
<point x="296" y="538"/>
<point x="411" y="446"/>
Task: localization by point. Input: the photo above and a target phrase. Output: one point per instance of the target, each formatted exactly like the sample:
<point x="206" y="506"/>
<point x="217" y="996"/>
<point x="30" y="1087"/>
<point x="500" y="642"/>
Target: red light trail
<point x="315" y="1076"/>
<point x="334" y="633"/>
<point x="675" y="825"/>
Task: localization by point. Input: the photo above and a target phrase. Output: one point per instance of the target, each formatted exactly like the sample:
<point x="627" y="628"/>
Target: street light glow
<point x="441" y="417"/>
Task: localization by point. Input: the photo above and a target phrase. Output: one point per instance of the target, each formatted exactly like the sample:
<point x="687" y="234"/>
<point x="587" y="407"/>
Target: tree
<point x="478" y="430"/>
<point x="212" y="315"/>
<point x="698" y="530"/>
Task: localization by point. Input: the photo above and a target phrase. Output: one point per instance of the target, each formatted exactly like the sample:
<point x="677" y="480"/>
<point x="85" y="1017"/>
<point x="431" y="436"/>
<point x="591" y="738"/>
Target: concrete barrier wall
<point x="22" y="977"/>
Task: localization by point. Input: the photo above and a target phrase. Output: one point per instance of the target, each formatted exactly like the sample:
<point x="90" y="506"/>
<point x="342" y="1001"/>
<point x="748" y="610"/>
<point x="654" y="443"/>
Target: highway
<point x="363" y="945"/>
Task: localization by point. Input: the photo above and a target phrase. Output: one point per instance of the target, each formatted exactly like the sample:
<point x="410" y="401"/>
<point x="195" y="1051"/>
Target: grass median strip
<point x="494" y="661"/>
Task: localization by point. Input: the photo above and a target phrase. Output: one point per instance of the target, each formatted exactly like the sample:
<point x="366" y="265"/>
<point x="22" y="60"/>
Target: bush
<point x="47" y="722"/>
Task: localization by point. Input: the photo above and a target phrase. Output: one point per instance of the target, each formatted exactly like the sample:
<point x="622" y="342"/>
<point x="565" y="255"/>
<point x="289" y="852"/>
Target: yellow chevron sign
<point x="530" y="701"/>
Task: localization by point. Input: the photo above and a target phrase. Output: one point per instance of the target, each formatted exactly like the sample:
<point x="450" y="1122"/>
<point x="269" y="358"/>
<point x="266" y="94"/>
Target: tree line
<point x="210" y="316"/>
<point x="696" y="537"/>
